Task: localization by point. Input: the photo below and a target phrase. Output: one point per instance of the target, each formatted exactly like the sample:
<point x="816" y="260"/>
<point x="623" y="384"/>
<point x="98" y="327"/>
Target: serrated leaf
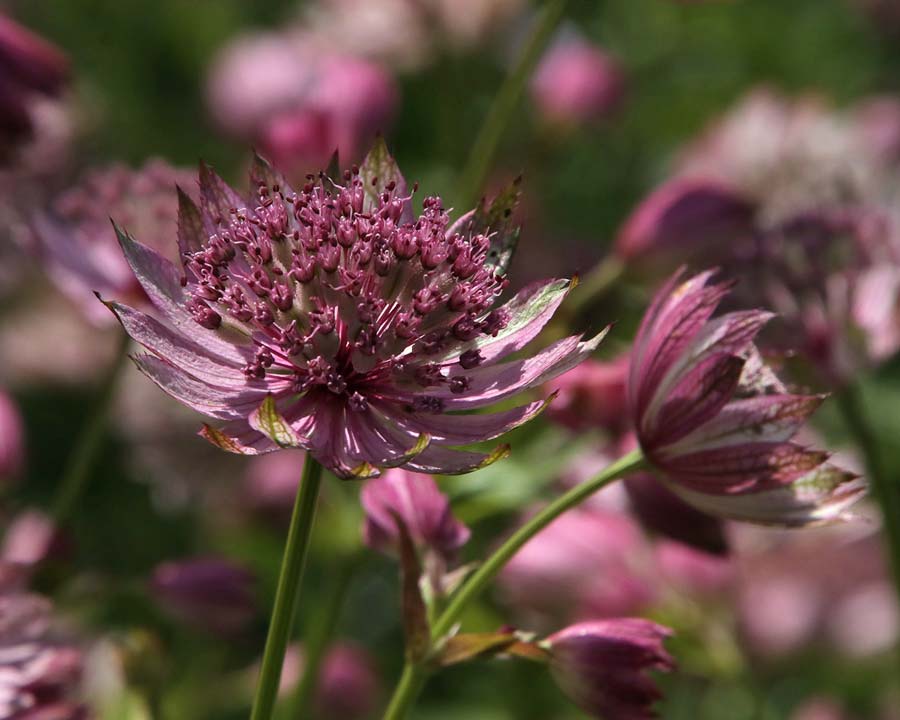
<point x="267" y="420"/>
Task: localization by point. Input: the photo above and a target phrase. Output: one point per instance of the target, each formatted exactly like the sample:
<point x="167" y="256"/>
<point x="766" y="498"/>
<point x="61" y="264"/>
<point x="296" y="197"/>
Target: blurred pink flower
<point x="213" y="593"/>
<point x="12" y="440"/>
<point x="360" y="376"/>
<point x="419" y="503"/>
<point x="715" y="420"/>
<point x="589" y="562"/>
<point x="29" y="67"/>
<point x="30" y="539"/>
<point x="39" y="673"/>
<point x="348" y="683"/>
<point x="603" y="666"/>
<point x="591" y="395"/>
<point x="693" y="572"/>
<point x="299" y="102"/>
<point x="76" y="240"/>
<point x="271" y="481"/>
<point x="576" y="83"/>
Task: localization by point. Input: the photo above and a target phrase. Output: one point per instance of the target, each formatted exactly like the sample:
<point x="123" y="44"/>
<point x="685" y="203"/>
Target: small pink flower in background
<point x="39" y="672"/>
<point x="591" y="395"/>
<point x="877" y="121"/>
<point x="270" y="482"/>
<point x="299" y="101"/>
<point x="12" y="440"/>
<point x="212" y="593"/>
<point x="30" y="67"/>
<point x="419" y="503"/>
<point x="589" y="562"/>
<point x="717" y="423"/>
<point x="349" y="687"/>
<point x="329" y="319"/>
<point x="691" y="572"/>
<point x="576" y="83"/>
<point x="604" y="666"/>
<point x="76" y="240"/>
<point x="820" y="708"/>
<point x="31" y="538"/>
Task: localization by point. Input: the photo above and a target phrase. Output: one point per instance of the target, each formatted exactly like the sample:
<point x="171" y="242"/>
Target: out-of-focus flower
<point x="799" y="202"/>
<point x="576" y="83"/>
<point x="78" y="244"/>
<point x="820" y="708"/>
<point x="39" y="673"/>
<point x="271" y="481"/>
<point x="693" y="572"/>
<point x="419" y="503"/>
<point x="603" y="666"/>
<point x="329" y="319"/>
<point x="30" y="539"/>
<point x="370" y="27"/>
<point x="12" y="440"/>
<point x="591" y="395"/>
<point x="661" y="511"/>
<point x="30" y="67"/>
<point x="717" y="423"/>
<point x="348" y="683"/>
<point x="587" y="563"/>
<point x="213" y="593"/>
<point x="789" y="600"/>
<point x="299" y="102"/>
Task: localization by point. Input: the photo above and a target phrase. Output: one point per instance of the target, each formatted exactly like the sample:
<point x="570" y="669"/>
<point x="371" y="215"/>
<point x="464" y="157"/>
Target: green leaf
<point x="267" y="420"/>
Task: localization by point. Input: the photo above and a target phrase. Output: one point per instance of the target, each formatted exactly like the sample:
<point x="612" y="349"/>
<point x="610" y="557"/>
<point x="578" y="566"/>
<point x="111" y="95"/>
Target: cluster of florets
<point x="328" y="290"/>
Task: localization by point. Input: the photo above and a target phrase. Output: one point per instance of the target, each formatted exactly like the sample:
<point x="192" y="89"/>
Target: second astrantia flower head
<point x="330" y="318"/>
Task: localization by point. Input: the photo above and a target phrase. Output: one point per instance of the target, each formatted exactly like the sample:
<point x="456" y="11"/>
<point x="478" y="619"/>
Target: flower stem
<point x="285" y="609"/>
<point x="321" y="631"/>
<point x="595" y="284"/>
<point x="414" y="676"/>
<point x="81" y="461"/>
<point x="885" y="488"/>
<point x="485" y="147"/>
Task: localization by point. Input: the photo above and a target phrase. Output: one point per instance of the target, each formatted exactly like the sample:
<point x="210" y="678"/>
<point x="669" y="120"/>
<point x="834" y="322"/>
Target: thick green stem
<point x="285" y="609"/>
<point x="414" y="676"/>
<point x="83" y="458"/>
<point x="321" y="631"/>
<point x="485" y="146"/>
<point x="885" y="489"/>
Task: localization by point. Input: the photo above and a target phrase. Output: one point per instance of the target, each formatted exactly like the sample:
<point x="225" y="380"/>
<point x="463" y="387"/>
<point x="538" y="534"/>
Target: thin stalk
<point x="485" y="146"/>
<point x="595" y="284"/>
<point x="414" y="676"/>
<point x="885" y="489"/>
<point x="321" y="631"/>
<point x="289" y="579"/>
<point x="83" y="458"/>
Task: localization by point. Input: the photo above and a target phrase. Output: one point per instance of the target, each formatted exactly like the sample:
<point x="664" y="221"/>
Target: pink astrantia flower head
<point x="603" y="666"/>
<point x="77" y="242"/>
<point x="422" y="507"/>
<point x="591" y="395"/>
<point x="39" y="672"/>
<point x="330" y="318"/>
<point x="717" y="423"/>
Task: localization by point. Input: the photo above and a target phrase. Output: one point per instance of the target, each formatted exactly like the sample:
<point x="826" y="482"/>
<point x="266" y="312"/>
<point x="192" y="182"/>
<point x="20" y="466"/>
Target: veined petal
<point x="212" y="400"/>
<point x="496" y="382"/>
<point x="450" y="429"/>
<point x="821" y="496"/>
<point x="178" y="350"/>
<point x="162" y="283"/>
<point x="191" y="234"/>
<point x="742" y="468"/>
<point x="768" y="418"/>
<point x="377" y="171"/>
<point x="438" y="460"/>
<point x="239" y="438"/>
<point x="529" y="311"/>
<point x="217" y="199"/>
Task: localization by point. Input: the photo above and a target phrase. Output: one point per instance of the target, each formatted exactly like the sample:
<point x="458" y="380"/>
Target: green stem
<point x="83" y="458"/>
<point x="321" y="631"/>
<point x="884" y="488"/>
<point x="595" y="284"/>
<point x="285" y="609"/>
<point x="414" y="676"/>
<point x="485" y="146"/>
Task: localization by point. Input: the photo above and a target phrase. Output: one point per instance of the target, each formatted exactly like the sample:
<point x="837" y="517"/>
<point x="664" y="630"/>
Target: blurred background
<point x="162" y="571"/>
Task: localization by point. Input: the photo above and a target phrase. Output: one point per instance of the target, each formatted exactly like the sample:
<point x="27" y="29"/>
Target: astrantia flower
<point x="603" y="666"/>
<point x="591" y="395"/>
<point x="717" y="423"/>
<point x="78" y="244"/>
<point x="38" y="673"/>
<point x="329" y="318"/>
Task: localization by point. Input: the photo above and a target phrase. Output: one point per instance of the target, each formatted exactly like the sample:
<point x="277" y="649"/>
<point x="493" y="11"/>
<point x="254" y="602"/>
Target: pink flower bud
<point x="603" y="666"/>
<point x="576" y="83"/>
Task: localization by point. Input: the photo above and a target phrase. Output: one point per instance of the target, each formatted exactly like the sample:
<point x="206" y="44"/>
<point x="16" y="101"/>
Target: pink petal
<point x="444" y="461"/>
<point x="217" y="199"/>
